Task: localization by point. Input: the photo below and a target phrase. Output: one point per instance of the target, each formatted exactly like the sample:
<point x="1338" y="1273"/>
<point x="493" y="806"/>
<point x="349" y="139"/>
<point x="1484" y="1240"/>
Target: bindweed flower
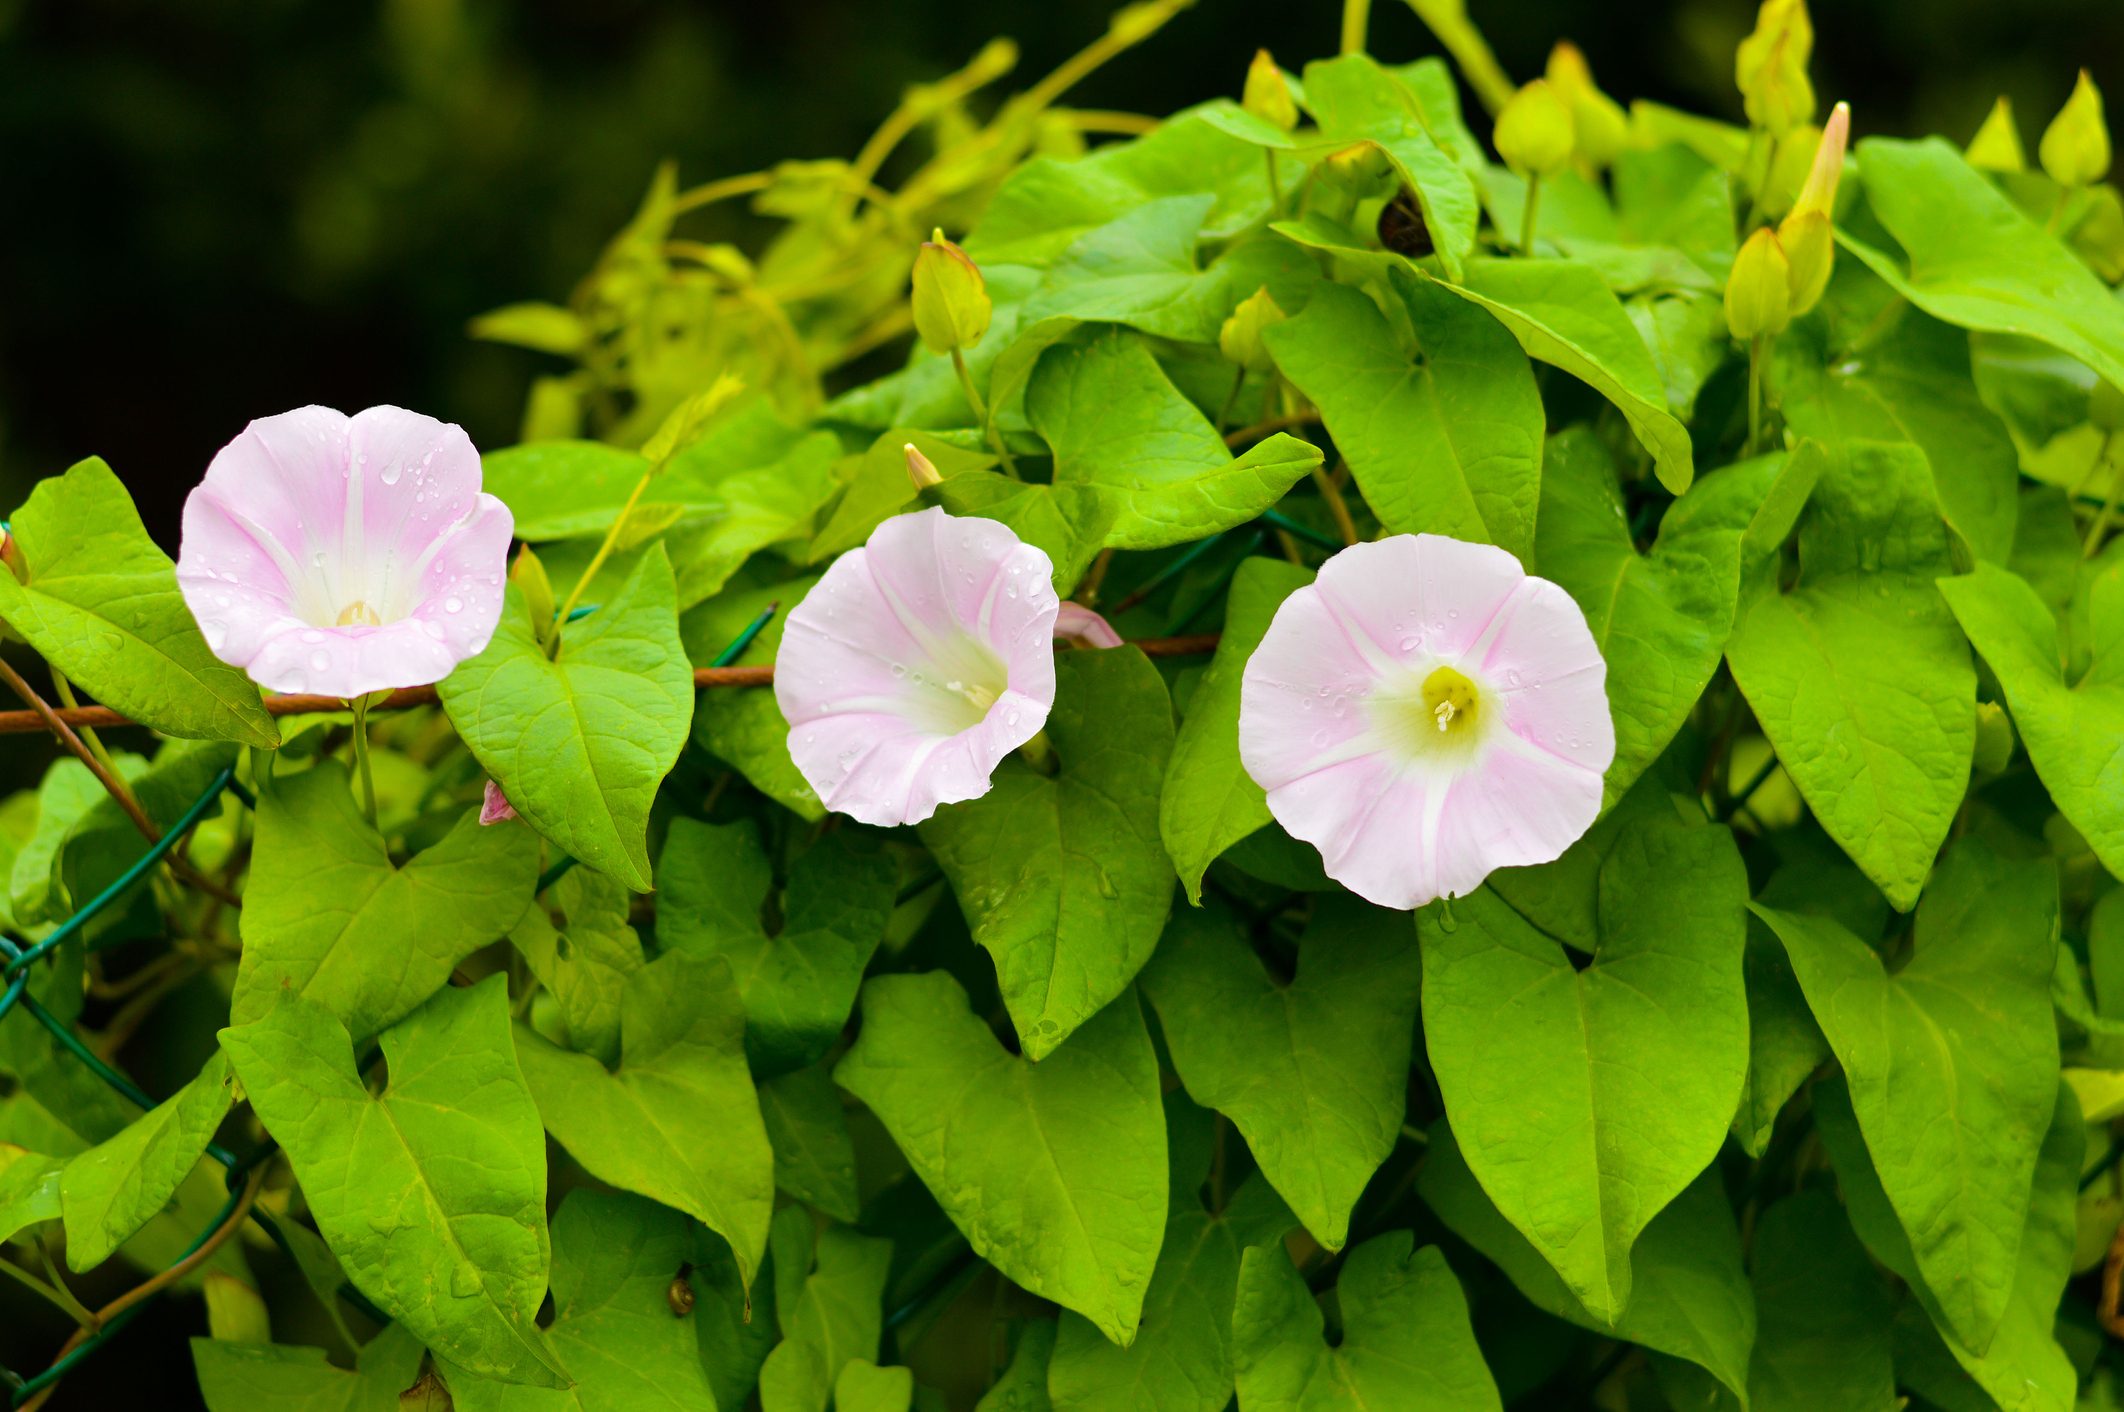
<point x="918" y="662"/>
<point x="1425" y="712"/>
<point x="345" y="555"/>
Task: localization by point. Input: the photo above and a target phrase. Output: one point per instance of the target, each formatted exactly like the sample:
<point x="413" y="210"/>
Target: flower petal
<point x="1418" y="595"/>
<point x="1542" y="659"/>
<point x="916" y="664"/>
<point x="1396" y="821"/>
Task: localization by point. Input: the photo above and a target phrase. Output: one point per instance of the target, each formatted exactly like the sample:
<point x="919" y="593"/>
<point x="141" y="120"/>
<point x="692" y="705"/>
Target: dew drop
<point x="320" y="660"/>
<point x="453" y="604"/>
<point x="390" y="473"/>
<point x="312" y="635"/>
<point x="217" y="632"/>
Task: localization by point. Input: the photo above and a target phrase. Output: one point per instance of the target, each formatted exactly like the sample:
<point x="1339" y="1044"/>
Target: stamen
<point x="358" y="614"/>
<point x="1445" y="712"/>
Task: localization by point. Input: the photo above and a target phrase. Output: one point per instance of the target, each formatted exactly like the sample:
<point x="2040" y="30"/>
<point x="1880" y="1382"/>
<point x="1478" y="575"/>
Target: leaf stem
<point x="1356" y="24"/>
<point x="1231" y="399"/>
<point x="361" y="757"/>
<point x="2109" y="504"/>
<point x="980" y="411"/>
<point x="1755" y="395"/>
<point x="56" y="1294"/>
<point x="1338" y="508"/>
<point x="1527" y="213"/>
<point x="604" y="551"/>
<point x="65" y="689"/>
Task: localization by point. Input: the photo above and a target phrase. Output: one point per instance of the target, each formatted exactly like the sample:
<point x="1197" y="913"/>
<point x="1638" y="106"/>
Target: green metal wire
<point x="21" y="958"/>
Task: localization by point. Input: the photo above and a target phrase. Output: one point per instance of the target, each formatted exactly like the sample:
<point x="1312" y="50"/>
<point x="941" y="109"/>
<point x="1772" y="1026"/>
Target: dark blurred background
<point x="215" y="209"/>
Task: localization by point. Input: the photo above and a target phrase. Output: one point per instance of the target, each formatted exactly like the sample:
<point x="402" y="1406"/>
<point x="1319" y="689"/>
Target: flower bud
<point x="1759" y="290"/>
<point x="2075" y="147"/>
<point x="1267" y="96"/>
<point x="528" y="576"/>
<point x="1770" y="67"/>
<point x="11" y="555"/>
<point x="1790" y="158"/>
<point x="1599" y="124"/>
<point x="951" y="305"/>
<point x="1806" y="234"/>
<point x="1994" y="738"/>
<point x="1535" y="134"/>
<point x="920" y="469"/>
<point x="1997" y="144"/>
<point x="1240" y="338"/>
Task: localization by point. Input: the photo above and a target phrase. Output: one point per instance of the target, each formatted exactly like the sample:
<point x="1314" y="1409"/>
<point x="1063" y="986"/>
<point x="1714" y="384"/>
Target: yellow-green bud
<point x="1806" y="234"/>
<point x="1240" y="338"/>
<point x="1759" y="290"/>
<point x="951" y="305"/>
<point x="528" y="576"/>
<point x="1770" y="67"/>
<point x="920" y="469"/>
<point x="1267" y="96"/>
<point x="1994" y="738"/>
<point x="1790" y="157"/>
<point x="2075" y="147"/>
<point x="1997" y="144"/>
<point x="1535" y="134"/>
<point x="1600" y="127"/>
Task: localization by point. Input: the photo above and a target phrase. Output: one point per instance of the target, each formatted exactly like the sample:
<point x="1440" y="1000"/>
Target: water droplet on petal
<point x="217" y="632"/>
<point x="390" y="473"/>
<point x="320" y="660"/>
<point x="453" y="604"/>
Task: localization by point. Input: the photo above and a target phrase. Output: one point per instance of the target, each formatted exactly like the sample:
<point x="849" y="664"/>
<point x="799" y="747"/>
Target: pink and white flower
<point x="917" y="663"/>
<point x="345" y="555"/>
<point x="1425" y="712"/>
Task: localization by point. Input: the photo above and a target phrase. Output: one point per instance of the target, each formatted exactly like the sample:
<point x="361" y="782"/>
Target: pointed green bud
<point x="951" y="305"/>
<point x="1759" y="290"/>
<point x="528" y="576"/>
<point x="1240" y="338"/>
<point x="920" y="469"/>
<point x="1535" y="134"/>
<point x="1806" y="233"/>
<point x="1994" y="738"/>
<point x="1267" y="96"/>
<point x="1790" y="158"/>
<point x="2075" y="147"/>
<point x="1599" y="125"/>
<point x="1770" y="67"/>
<point x="1997" y="144"/>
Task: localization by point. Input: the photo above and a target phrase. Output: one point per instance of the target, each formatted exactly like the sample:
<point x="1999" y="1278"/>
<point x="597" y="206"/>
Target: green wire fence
<point x="21" y="958"/>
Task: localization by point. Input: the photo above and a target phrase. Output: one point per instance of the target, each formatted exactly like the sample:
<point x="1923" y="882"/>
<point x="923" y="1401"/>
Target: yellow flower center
<point x="358" y="614"/>
<point x="1451" y="700"/>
